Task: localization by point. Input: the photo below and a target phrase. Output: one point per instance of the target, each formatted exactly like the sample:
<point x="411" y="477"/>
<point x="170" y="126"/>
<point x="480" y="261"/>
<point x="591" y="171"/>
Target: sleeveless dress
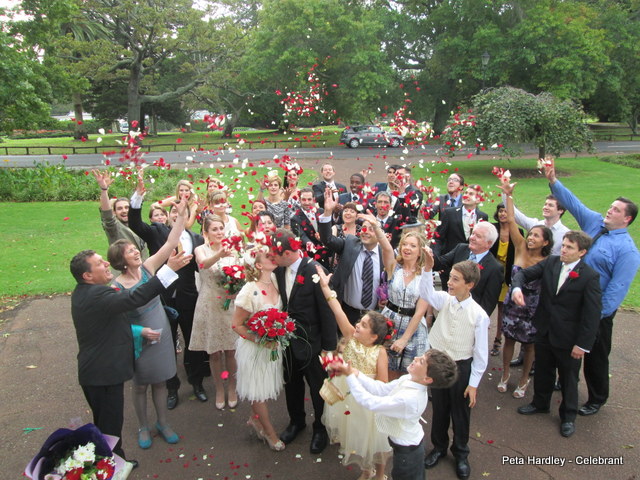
<point x="360" y="441"/>
<point x="259" y="378"/>
<point x="501" y="256"/>
<point x="517" y="322"/>
<point x="211" y="329"/>
<point x="157" y="361"/>
<point x="405" y="297"/>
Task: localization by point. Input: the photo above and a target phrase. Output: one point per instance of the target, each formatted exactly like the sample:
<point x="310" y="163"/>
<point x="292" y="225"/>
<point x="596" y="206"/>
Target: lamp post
<point x="485" y="57"/>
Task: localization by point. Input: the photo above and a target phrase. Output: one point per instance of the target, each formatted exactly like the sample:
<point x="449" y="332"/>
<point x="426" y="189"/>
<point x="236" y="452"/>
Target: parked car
<point x="353" y="137"/>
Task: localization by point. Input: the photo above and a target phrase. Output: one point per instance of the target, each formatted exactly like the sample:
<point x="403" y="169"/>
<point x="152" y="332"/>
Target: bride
<point x="259" y="378"/>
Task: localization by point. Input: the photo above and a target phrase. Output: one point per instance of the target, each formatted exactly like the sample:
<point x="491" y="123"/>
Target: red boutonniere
<point x="480" y="267"/>
<point x="300" y="279"/>
<point x="574" y="274"/>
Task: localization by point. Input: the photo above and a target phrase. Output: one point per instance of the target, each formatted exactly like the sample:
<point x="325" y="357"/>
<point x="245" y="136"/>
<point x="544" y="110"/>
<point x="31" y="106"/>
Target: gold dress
<point x="350" y="424"/>
<point x="501" y="256"/>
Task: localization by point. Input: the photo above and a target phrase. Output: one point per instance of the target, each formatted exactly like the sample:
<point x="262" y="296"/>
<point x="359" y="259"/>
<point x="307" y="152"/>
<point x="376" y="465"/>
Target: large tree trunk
<point x="80" y="129"/>
<point x="133" y="96"/>
<point x="633" y="122"/>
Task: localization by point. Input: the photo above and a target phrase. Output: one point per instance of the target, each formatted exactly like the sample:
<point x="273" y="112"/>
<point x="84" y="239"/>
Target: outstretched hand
<point x="178" y="260"/>
<point x="549" y="164"/>
<point x="368" y="217"/>
<point x="329" y="201"/>
<point x="324" y="278"/>
<point x="103" y="179"/>
<point x="507" y="187"/>
<point x="429" y="259"/>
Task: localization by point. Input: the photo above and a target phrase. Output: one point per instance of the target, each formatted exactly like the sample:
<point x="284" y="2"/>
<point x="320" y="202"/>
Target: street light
<point x="485" y="57"/>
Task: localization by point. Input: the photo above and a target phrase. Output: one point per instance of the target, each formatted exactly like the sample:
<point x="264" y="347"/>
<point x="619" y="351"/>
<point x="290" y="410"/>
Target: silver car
<point x="353" y="137"/>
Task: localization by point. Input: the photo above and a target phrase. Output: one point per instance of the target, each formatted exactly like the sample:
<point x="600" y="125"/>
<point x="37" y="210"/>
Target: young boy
<point x="461" y="331"/>
<point x="399" y="405"/>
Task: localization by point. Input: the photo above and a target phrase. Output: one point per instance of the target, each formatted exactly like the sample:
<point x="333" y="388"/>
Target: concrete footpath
<point x="40" y="391"/>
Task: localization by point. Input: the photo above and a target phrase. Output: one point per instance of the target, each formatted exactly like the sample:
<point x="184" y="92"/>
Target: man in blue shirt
<point x="615" y="257"/>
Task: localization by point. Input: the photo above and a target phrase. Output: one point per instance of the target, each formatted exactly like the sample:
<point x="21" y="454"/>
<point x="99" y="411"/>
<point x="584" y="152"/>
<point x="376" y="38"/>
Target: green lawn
<point x="39" y="242"/>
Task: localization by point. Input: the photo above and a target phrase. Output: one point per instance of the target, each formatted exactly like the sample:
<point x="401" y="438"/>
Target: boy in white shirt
<point x="461" y="331"/>
<point x="399" y="405"/>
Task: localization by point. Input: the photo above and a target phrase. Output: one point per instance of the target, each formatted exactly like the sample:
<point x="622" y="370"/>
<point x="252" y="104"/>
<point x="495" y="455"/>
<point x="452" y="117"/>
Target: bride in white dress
<point x="259" y="378"/>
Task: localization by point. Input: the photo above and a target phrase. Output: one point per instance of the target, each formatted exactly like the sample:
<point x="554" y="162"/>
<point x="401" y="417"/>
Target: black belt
<point x="405" y="448"/>
<point x="402" y="311"/>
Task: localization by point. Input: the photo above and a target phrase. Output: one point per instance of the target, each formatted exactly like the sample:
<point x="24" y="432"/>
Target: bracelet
<point x="332" y="296"/>
<point x="104" y="189"/>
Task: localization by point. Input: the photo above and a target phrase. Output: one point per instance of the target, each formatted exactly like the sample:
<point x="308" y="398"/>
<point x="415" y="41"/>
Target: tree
<point x="510" y="115"/>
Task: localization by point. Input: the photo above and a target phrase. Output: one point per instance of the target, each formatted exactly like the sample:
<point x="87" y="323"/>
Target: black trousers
<point x="295" y="374"/>
<point x="449" y="405"/>
<point x="548" y="359"/>
<point x="408" y="461"/>
<point x="195" y="363"/>
<point x="596" y="362"/>
<point x="107" y="405"/>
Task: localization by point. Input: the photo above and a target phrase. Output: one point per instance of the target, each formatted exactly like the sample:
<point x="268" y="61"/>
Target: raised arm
<point x="341" y="318"/>
<point x="155" y="261"/>
<point x="104" y="180"/>
<point x="388" y="258"/>
<point x="514" y="232"/>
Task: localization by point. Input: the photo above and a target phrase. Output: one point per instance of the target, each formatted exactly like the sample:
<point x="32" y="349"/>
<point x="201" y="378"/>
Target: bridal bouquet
<point x="233" y="279"/>
<point x="272" y="325"/>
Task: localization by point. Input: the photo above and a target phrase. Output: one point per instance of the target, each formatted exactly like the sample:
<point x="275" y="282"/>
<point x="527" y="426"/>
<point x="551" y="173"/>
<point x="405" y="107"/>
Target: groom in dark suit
<point x="316" y="331"/>
<point x="566" y="320"/>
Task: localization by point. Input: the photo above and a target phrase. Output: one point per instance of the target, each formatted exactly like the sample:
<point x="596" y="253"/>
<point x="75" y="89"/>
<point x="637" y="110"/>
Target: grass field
<point x="40" y="238"/>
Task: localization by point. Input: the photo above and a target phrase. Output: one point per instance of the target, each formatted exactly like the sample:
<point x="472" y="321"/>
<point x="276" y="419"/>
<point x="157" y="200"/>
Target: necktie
<point x="354" y="198"/>
<point x="602" y="231"/>
<point x="367" y="280"/>
<point x="289" y="279"/>
<point x="452" y="202"/>
<point x="564" y="273"/>
<point x="473" y="258"/>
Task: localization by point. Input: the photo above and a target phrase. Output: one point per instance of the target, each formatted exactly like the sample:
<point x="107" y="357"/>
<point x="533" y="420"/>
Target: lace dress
<point x="405" y="296"/>
<point x="517" y="322"/>
<point x="211" y="329"/>
<point x="157" y="361"/>
<point x="259" y="378"/>
<point x="356" y="432"/>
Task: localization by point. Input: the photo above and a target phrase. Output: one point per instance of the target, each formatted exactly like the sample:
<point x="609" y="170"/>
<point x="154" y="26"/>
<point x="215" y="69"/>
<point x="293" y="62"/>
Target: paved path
<point x="39" y="390"/>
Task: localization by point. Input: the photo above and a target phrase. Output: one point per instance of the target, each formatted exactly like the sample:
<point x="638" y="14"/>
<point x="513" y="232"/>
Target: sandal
<point x="502" y="385"/>
<point x="520" y="391"/>
<point x="497" y="343"/>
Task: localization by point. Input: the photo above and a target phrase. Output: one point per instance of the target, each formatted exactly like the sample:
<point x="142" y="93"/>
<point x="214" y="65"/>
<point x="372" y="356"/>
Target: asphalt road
<point x="208" y="158"/>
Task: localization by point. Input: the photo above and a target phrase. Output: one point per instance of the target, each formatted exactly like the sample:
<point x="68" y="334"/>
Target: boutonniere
<point x="300" y="279"/>
<point x="574" y="274"/>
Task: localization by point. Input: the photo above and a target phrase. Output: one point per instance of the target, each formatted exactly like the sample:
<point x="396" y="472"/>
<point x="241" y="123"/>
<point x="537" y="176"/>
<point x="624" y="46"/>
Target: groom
<point x="316" y="331"/>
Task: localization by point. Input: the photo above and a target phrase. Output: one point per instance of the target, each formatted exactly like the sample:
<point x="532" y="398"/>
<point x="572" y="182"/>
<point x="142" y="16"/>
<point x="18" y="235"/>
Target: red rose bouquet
<point x="233" y="279"/>
<point x="272" y="325"/>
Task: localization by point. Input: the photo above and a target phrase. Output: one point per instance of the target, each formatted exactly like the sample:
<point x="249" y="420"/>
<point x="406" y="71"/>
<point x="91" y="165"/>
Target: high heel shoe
<point x="144" y="442"/>
<point x="220" y="405"/>
<point x="277" y="446"/>
<point x="502" y="385"/>
<point x="233" y="403"/>
<point x="521" y="391"/>
<point x="169" y="438"/>
<point x="259" y="432"/>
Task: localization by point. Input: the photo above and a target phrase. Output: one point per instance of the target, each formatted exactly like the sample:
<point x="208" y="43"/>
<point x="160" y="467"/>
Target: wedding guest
<point x="275" y="201"/>
<point x="219" y="205"/>
<point x="184" y="189"/>
<point x="105" y="339"/>
<point x="452" y="199"/>
<point x="328" y="174"/>
<point x="211" y="330"/>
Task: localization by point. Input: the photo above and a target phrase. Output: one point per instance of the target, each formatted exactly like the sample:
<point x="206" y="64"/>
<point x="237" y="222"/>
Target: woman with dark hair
<point x="504" y="251"/>
<point x="517" y="322"/>
<point x="155" y="355"/>
<point x="276" y="203"/>
<point x="350" y="225"/>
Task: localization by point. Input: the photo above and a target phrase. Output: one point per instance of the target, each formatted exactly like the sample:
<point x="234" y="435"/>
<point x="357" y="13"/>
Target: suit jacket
<point x="103" y="330"/>
<point x="487" y="291"/>
<point x="346" y="197"/>
<point x="450" y="232"/>
<point x="319" y="188"/>
<point x="156" y="234"/>
<point x="410" y="199"/>
<point x="303" y="228"/>
<point x="436" y="208"/>
<point x="348" y="248"/>
<point x="316" y="325"/>
<point x="572" y="315"/>
<point x="511" y="253"/>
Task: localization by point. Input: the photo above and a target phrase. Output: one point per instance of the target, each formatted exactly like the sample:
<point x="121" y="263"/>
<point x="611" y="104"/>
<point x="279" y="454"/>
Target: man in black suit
<point x="566" y="320"/>
<point x="457" y="223"/>
<point x="182" y="297"/>
<point x="452" y="199"/>
<point x="409" y="197"/>
<point x="304" y="224"/>
<point x="316" y="331"/>
<point x="391" y="184"/>
<point x="487" y="291"/>
<point x="390" y="219"/>
<point x="355" y="252"/>
<point x="103" y="331"/>
<point x="328" y="173"/>
<point x="356" y="191"/>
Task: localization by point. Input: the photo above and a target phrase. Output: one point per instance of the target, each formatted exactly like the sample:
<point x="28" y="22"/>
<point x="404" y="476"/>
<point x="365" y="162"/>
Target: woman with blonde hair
<point x="259" y="378"/>
<point x="217" y="204"/>
<point x="184" y="189"/>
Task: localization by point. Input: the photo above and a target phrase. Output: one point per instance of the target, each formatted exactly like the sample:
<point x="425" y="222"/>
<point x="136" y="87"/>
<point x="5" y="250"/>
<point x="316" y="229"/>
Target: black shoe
<point x="319" y="441"/>
<point x="517" y="362"/>
<point x="567" y="429"/>
<point x="198" y="391"/>
<point x="589" y="409"/>
<point x="530" y="409"/>
<point x="291" y="432"/>
<point x="557" y="387"/>
<point x="172" y="399"/>
<point x="432" y="458"/>
<point x="134" y="464"/>
<point x="463" y="469"/>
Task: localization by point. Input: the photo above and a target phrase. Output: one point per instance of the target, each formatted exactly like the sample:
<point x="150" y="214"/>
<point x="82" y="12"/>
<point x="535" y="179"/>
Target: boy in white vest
<point x="461" y="331"/>
<point x="399" y="405"/>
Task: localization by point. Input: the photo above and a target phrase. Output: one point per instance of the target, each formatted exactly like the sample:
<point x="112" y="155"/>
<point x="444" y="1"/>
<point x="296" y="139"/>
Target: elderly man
<point x="115" y="215"/>
<point x="103" y="331"/>
<point x="615" y="257"/>
<point x="487" y="290"/>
